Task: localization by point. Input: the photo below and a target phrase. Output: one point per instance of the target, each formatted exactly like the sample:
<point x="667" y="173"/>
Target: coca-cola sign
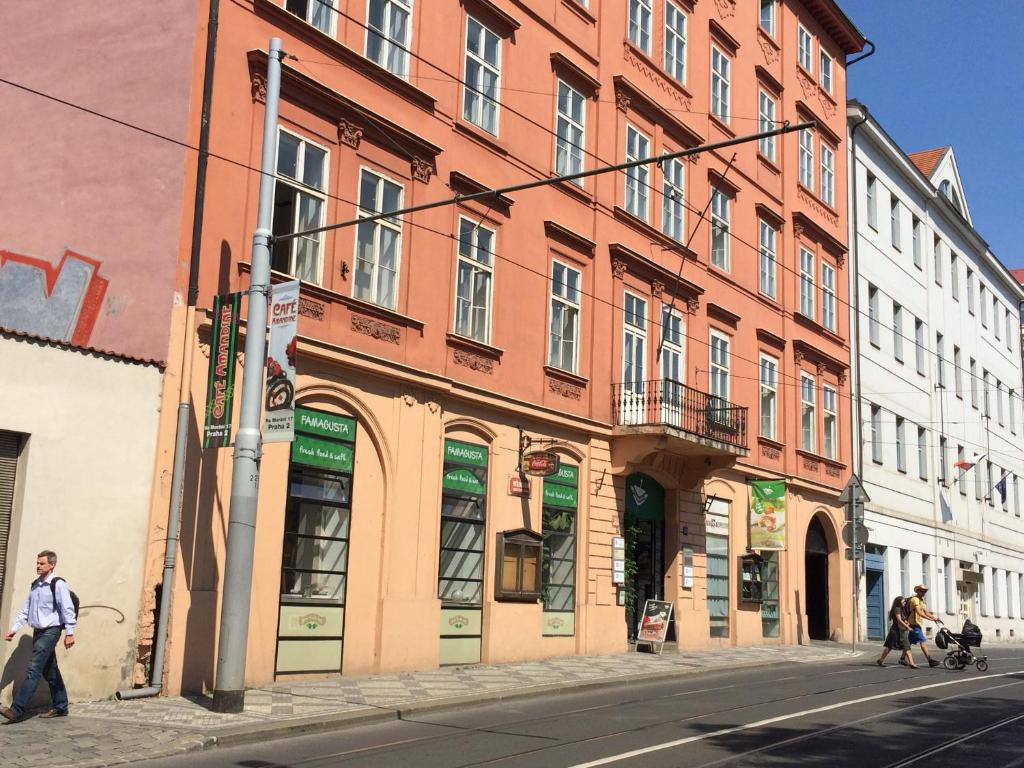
<point x="540" y="463"/>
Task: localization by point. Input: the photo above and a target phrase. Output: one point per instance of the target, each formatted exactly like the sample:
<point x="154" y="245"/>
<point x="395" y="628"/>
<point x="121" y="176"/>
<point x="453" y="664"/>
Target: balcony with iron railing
<point x="699" y="422"/>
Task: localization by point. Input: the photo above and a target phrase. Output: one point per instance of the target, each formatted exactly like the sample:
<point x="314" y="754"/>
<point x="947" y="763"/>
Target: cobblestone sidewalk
<point x="110" y="732"/>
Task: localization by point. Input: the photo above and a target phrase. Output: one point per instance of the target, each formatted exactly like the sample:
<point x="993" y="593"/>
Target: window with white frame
<point x="983" y="303"/>
<point x="673" y="370"/>
<point x="922" y="453"/>
<point x="937" y="259"/>
<point x="974" y="383"/>
<point x="1009" y="330"/>
<point x="637" y="148"/>
<point x="766" y="122"/>
<point x="807" y="158"/>
<point x="901" y="444"/>
<point x="318" y="13"/>
<point x="916" y="234"/>
<point x="565" y="317"/>
<point x="1011" y="403"/>
<point x="806" y="283"/>
<point x="720" y="66"/>
<point x="904" y="572"/>
<point x="634" y="350"/>
<point x="767" y="17"/>
<point x="805" y="49"/>
<point x="828" y="296"/>
<point x="970" y="290"/>
<point x="872" y="201"/>
<point x="387" y="34"/>
<point x="940" y="365"/>
<point x="958" y="374"/>
<point x="828" y="175"/>
<point x="874" y="324"/>
<point x="954" y="277"/>
<point x="830" y="422"/>
<point x="1016" y="512"/>
<point x="897" y="332"/>
<point x="673" y="199"/>
<point x="985" y="401"/>
<point x="769" y="396"/>
<point x="894" y="222"/>
<point x="719" y="366"/>
<point x="475" y="273"/>
<point x="876" y="434"/>
<point x="570" y="130"/>
<point x="996" y="325"/>
<point x="808" y="429"/>
<point x="483" y="76"/>
<point x="825" y="70"/>
<point x="300" y="201"/>
<point x="640" y="24"/>
<point x="769" y="267"/>
<point x="943" y="478"/>
<point x="919" y="345"/>
<point x="675" y="41"/>
<point x="719" y="228"/>
<point x="999" y="401"/>
<point x="379" y="242"/>
<point x="962" y="473"/>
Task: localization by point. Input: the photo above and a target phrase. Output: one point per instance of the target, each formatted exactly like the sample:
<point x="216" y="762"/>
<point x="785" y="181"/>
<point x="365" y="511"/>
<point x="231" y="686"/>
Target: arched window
<point x="947" y="189"/>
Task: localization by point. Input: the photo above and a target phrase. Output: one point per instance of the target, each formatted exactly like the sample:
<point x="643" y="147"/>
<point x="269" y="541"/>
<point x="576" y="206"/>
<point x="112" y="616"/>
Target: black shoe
<point x="54" y="713"/>
<point x="933" y="662"/>
<point x="903" y="663"/>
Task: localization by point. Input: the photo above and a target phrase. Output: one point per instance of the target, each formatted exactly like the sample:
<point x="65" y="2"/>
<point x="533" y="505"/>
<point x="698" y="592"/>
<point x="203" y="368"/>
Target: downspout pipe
<point x="184" y="389"/>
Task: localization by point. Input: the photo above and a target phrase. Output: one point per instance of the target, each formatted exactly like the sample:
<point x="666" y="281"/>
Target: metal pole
<point x="856" y="585"/>
<point x="229" y="689"/>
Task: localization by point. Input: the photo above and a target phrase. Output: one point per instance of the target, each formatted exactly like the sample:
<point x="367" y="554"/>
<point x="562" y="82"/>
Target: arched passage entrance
<point x="816" y="580"/>
<point x="644" y="526"/>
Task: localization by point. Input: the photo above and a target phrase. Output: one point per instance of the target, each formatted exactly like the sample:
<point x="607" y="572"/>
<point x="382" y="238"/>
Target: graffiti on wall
<point x="58" y="302"/>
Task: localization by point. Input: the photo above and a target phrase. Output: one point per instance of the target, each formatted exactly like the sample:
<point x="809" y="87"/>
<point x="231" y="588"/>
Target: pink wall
<point x="91" y="230"/>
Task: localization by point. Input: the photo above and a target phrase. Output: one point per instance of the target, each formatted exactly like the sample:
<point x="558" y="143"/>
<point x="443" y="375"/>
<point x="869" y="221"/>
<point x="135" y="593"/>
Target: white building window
<point x="996" y="325"/>
<point x="904" y="572"/>
<point x="673" y="199"/>
<point x="825" y="71"/>
<point x="570" y="131"/>
<point x="999" y="402"/>
<point x="828" y="296"/>
<point x="916" y="233"/>
<point x="901" y="445"/>
<point x="940" y="365"/>
<point x="1009" y="330"/>
<point x="299" y="204"/>
<point x="378" y="243"/>
<point x="937" y="259"/>
<point x="974" y="383"/>
<point x="985" y="400"/>
<point x="387" y="34"/>
<point x="897" y="332"/>
<point x="876" y="434"/>
<point x="1011" y="403"/>
<point x="474" y="279"/>
<point x="319" y="13"/>
<point x="808" y="428"/>
<point x="962" y="472"/>
<point x="983" y="303"/>
<point x="634" y="353"/>
<point x="720" y="66"/>
<point x="483" y="76"/>
<point x="767" y="17"/>
<point x="675" y="41"/>
<point x="943" y="477"/>
<point x="828" y="175"/>
<point x="894" y="222"/>
<point x="806" y="283"/>
<point x="805" y="49"/>
<point x="958" y="373"/>
<point x="970" y="290"/>
<point x="807" y="158"/>
<point x="640" y="24"/>
<point x="565" y="317"/>
<point x="769" y="266"/>
<point x="637" y="148"/>
<point x="766" y="122"/>
<point x="954" y="277"/>
<point x="874" y="326"/>
<point x="769" y="396"/>
<point x="719" y="229"/>
<point x="719" y="366"/>
<point x="922" y="453"/>
<point x="872" y="201"/>
<point x="830" y="422"/>
<point x="919" y="345"/>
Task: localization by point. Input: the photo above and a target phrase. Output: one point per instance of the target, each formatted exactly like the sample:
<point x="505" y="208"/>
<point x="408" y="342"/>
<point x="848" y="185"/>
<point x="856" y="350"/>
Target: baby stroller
<point x="958" y="646"/>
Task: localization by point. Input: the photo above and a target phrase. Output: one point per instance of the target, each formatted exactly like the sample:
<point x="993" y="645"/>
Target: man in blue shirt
<point x="48" y="620"/>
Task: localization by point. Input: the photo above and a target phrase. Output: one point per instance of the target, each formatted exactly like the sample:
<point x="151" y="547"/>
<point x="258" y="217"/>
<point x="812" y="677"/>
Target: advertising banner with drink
<point x="768" y="514"/>
<point x="279" y="400"/>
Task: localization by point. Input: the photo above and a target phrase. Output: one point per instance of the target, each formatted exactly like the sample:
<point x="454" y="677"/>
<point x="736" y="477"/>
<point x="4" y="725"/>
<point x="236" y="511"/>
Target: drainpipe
<point x="184" y="393"/>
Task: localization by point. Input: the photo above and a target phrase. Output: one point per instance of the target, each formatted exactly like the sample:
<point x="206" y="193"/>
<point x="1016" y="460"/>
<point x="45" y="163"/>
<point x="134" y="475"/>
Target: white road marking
<point x="777" y="719"/>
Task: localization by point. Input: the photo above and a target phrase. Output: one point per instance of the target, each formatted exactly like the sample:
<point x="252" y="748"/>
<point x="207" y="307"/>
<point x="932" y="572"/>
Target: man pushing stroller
<point x="917" y="610"/>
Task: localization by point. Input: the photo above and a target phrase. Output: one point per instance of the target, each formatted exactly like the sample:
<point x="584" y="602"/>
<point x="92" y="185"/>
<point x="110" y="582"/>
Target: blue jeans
<point x="42" y="664"/>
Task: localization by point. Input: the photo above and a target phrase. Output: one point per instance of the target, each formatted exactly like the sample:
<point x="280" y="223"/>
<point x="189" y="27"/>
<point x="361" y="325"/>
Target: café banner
<point x="220" y="382"/>
<point x="768" y="514"/>
<point x="279" y="400"/>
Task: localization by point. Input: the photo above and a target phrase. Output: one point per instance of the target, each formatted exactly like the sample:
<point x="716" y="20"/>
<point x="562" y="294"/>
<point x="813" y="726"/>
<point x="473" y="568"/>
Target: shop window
<point x="751" y="582"/>
<point x="558" y="581"/>
<point x="718" y="584"/>
<point x="518" y="576"/>
<point x="314" y="560"/>
<point x="770" y="594"/>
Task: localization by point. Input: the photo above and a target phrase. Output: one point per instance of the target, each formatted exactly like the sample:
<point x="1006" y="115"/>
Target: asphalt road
<point x="847" y="713"/>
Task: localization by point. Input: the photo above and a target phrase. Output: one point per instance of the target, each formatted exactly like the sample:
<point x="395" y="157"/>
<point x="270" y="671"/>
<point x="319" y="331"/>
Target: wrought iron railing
<point x="672" y="403"/>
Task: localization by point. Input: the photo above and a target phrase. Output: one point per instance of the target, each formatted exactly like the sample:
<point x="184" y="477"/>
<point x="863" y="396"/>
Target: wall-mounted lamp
<point x="708" y="501"/>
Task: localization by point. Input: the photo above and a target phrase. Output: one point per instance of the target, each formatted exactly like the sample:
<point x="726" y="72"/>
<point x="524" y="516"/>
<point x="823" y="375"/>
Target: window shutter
<point x="8" y="468"/>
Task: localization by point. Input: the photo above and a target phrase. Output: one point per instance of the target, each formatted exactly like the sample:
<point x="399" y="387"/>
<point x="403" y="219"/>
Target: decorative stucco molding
<point x="310" y="308"/>
<point x="349" y="133"/>
<point x="472" y="361"/>
<point x="376" y="329"/>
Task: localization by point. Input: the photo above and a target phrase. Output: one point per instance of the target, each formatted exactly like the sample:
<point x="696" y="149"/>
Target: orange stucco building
<point x="671" y="332"/>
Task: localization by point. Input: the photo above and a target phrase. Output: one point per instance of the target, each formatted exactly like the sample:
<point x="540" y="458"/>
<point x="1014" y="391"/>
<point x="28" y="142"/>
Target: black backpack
<point x="75" y="602"/>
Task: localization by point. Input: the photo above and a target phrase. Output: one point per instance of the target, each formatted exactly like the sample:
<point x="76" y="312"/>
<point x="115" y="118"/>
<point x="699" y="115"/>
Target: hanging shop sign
<point x="767" y="515"/>
<point x="540" y="463"/>
<point x="220" y="382"/>
<point x="458" y="452"/>
<point x="324" y="424"/>
<point x="519" y="485"/>
<point x="279" y="399"/>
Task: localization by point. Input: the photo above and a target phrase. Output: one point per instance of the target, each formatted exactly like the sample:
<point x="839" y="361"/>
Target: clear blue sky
<point x="950" y="72"/>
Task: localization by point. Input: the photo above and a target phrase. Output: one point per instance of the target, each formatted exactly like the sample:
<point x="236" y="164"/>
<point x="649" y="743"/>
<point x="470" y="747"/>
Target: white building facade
<point x="936" y="380"/>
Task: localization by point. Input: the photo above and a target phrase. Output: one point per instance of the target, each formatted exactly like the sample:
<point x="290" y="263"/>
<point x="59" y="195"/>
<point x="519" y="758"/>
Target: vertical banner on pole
<point x="220" y="382"/>
<point x="279" y="396"/>
<point x="768" y="514"/>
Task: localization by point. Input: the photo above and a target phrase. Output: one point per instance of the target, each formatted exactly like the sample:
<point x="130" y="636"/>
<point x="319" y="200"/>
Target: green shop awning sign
<point x="645" y="498"/>
<point x="560" y="490"/>
<point x="465" y="453"/>
<point x="325" y="454"/>
<point x="325" y="424"/>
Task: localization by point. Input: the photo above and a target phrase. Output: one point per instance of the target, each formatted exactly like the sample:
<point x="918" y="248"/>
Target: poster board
<point x="654" y="623"/>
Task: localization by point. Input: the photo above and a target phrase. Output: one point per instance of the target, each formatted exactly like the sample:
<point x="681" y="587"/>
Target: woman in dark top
<point x="898" y="638"/>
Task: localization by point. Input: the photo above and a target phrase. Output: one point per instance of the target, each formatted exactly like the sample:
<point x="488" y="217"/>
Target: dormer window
<point x="947" y="189"/>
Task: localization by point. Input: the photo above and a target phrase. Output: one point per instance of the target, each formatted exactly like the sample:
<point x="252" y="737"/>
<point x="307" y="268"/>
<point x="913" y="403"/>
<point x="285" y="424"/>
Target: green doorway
<point x="644" y="529"/>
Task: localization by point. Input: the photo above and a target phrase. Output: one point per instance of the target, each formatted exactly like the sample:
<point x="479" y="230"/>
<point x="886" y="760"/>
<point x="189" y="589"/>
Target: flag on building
<point x="966" y="464"/>
<point x="1001" y="487"/>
